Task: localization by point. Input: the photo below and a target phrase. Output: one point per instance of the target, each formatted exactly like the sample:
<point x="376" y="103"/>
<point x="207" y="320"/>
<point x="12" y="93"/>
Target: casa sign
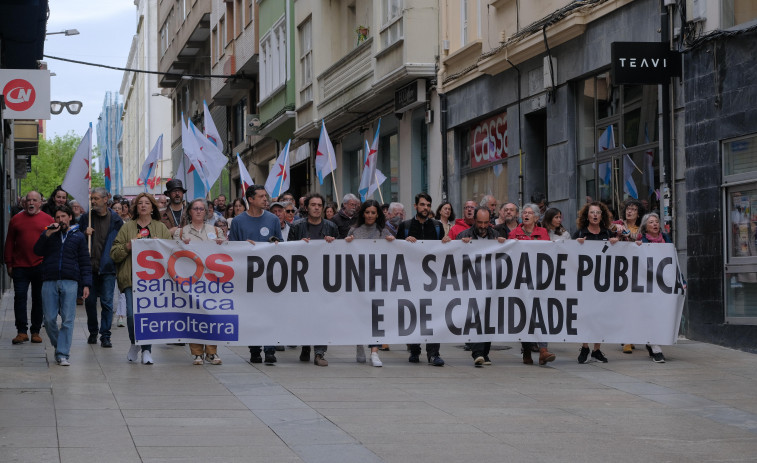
<point x="26" y="93"/>
<point x="643" y="63"/>
<point x="488" y="141"/>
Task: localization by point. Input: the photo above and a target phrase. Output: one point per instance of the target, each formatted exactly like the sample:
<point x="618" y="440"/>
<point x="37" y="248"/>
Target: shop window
<point x="483" y="160"/>
<point x="617" y="148"/>
<point x="740" y="189"/>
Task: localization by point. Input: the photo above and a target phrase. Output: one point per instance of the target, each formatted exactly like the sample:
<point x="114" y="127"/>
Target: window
<point x="740" y="190"/>
<point x="273" y="59"/>
<point x="391" y="18"/>
<point x="618" y="154"/>
<point x="229" y="32"/>
<point x="306" y="61"/>
<point x="163" y="39"/>
<point x="221" y="43"/>
<point x="248" y="9"/>
<point x="240" y="113"/>
<point x="238" y="10"/>
<point x="214" y="49"/>
<point x="736" y="12"/>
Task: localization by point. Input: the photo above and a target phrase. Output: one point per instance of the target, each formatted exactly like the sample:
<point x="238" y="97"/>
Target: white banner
<point x="379" y="292"/>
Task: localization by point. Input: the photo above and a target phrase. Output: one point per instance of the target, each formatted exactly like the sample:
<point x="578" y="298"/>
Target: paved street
<point x="699" y="406"/>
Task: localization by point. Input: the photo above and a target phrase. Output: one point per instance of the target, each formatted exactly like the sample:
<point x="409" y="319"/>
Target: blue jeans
<point x="59" y="296"/>
<point x="102" y="287"/>
<point x="130" y="319"/>
<point x="22" y="278"/>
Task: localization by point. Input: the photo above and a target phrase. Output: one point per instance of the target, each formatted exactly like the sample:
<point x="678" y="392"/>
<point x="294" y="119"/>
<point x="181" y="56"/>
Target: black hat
<point x="174" y="184"/>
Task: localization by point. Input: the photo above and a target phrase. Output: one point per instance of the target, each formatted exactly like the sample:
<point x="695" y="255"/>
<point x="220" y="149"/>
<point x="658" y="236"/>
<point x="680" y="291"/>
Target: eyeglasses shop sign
<point x="643" y="63"/>
<point x="26" y="93"/>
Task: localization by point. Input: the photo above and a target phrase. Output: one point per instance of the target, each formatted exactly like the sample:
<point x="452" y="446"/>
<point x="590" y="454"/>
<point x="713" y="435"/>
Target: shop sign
<point x="488" y="141"/>
<point x="643" y="63"/>
<point x="410" y="96"/>
<point x="26" y="93"/>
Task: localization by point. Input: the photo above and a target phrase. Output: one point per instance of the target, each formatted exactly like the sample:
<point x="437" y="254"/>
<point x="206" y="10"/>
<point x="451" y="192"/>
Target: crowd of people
<point x="87" y="256"/>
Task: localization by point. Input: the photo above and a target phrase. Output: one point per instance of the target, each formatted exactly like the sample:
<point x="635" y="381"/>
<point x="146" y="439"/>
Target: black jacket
<point x="65" y="260"/>
<point x="107" y="266"/>
<point x="431" y="229"/>
<point x="299" y="230"/>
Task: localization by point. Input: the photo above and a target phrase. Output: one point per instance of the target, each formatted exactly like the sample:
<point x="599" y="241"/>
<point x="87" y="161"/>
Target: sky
<point x="106" y="29"/>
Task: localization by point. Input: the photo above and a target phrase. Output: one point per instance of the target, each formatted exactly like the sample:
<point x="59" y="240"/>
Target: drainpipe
<point x="443" y="128"/>
<point x="667" y="141"/>
<point x="520" y="140"/>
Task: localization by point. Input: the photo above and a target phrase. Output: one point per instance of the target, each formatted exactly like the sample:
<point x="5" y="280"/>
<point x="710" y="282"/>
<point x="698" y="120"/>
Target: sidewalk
<point x="699" y="406"/>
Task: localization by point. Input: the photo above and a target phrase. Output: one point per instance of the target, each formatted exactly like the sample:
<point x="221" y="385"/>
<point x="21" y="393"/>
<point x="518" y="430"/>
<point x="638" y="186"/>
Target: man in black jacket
<point x="422" y="227"/>
<point x="346" y="217"/>
<point x="65" y="264"/>
<point x="103" y="228"/>
<point x="314" y="227"/>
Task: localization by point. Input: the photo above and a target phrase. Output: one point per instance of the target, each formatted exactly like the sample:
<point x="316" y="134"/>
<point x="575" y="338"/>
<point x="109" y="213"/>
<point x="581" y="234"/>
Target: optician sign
<point x="488" y="141"/>
<point x="26" y="93"/>
<point x="643" y="63"/>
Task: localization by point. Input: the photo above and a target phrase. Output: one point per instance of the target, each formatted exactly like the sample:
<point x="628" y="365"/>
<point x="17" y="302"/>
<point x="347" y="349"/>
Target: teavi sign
<point x="26" y="93"/>
<point x="643" y="63"/>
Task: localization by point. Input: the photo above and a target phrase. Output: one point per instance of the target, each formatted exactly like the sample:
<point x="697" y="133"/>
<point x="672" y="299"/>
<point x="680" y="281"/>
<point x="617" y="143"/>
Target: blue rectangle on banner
<point x="180" y="325"/>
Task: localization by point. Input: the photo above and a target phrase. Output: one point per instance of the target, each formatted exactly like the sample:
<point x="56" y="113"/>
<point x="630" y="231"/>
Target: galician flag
<point x="244" y="176"/>
<point x="278" y="178"/>
<point x="369" y="167"/>
<point x="211" y="132"/>
<point x="629" y="185"/>
<point x="78" y="177"/>
<point x="325" y="159"/>
<point x="211" y="158"/>
<point x="191" y="164"/>
<point x="151" y="163"/>
<point x="378" y="177"/>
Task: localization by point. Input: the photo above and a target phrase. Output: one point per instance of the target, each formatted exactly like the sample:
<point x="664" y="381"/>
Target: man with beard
<point x="312" y="228"/>
<point x="466" y="222"/>
<point x="346" y="218"/>
<point x="24" y="266"/>
<point x="421" y="227"/>
<point x="220" y="204"/>
<point x="173" y="217"/>
<point x="65" y="265"/>
<point x="103" y="228"/>
<point x="481" y="230"/>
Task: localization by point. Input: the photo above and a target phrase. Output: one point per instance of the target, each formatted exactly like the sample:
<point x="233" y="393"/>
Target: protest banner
<point x="377" y="292"/>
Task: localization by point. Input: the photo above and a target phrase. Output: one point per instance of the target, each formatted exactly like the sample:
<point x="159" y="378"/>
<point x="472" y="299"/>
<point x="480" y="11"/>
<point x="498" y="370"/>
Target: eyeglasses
<point x="199" y="209"/>
<point x="290" y="211"/>
<point x="595" y="212"/>
<point x="73" y="107"/>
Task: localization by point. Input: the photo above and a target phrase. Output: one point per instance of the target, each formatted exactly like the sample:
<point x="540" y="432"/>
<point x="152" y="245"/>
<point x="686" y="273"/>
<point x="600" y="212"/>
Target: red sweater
<point x="459" y="226"/>
<point x="539" y="233"/>
<point x="23" y="233"/>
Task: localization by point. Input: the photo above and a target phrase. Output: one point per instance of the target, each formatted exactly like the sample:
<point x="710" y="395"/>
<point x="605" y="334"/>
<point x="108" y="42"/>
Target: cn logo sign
<point x="19" y="95"/>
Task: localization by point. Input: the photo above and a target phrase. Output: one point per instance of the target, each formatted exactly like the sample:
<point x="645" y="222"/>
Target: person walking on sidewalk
<point x="371" y="224"/>
<point x="65" y="266"/>
<point x="481" y="230"/>
<point x="103" y="230"/>
<point x="24" y="267"/>
<point x="198" y="230"/>
<point x="145" y="224"/>
<point x="257" y="224"/>
<point x="422" y="227"/>
<point x="314" y="227"/>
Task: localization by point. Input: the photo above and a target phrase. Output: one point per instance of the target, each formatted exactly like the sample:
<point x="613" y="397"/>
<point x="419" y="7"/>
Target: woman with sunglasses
<point x="371" y="225"/>
<point x="197" y="230"/>
<point x="593" y="223"/>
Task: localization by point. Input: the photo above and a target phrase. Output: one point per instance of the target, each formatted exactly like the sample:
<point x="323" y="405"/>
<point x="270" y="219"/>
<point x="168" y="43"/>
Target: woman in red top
<point x="528" y="230"/>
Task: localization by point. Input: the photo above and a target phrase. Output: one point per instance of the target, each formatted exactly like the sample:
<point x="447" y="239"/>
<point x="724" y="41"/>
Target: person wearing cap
<point x="279" y="210"/>
<point x="174" y="216"/>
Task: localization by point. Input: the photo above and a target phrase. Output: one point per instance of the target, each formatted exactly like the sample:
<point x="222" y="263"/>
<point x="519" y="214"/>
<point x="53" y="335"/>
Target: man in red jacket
<point x="24" y="267"/>
<point x="469" y="210"/>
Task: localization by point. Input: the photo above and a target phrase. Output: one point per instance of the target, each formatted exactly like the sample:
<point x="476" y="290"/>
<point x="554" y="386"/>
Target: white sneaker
<point x="63" y="361"/>
<point x="213" y="359"/>
<point x="375" y="360"/>
<point x="360" y="354"/>
<point x="133" y="354"/>
<point x="120" y="321"/>
<point x="146" y="357"/>
<point x="197" y="360"/>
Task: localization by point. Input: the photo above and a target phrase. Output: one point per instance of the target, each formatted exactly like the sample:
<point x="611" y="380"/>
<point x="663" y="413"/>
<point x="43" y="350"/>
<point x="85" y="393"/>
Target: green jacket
<point x="122" y="256"/>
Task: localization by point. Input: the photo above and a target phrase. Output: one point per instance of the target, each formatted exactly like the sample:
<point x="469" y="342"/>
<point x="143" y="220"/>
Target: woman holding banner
<point x="198" y="230"/>
<point x="145" y="224"/>
<point x="553" y="223"/>
<point x="650" y="232"/>
<point x="528" y="230"/>
<point x="370" y="225"/>
<point x="593" y="223"/>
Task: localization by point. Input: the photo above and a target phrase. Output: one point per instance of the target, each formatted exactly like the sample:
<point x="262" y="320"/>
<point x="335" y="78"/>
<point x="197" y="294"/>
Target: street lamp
<point x="160" y="94"/>
<point x="67" y="32"/>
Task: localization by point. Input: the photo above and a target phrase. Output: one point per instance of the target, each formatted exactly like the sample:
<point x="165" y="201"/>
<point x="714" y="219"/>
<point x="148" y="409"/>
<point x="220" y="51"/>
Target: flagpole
<point x="333" y="180"/>
<point x="89" y="189"/>
<point x="378" y="187"/>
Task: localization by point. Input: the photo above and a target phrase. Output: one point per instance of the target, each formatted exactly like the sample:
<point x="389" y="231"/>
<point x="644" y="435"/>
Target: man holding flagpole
<point x="173" y="217"/>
